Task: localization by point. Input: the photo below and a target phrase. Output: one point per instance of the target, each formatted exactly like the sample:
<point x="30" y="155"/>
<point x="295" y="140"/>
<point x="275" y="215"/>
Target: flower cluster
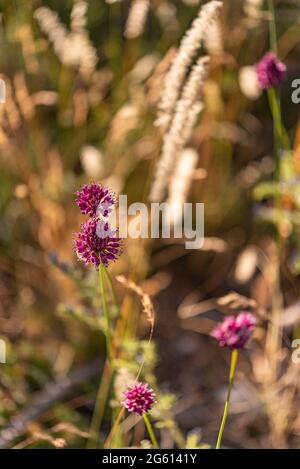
<point x="97" y="241"/>
<point x="270" y="71"/>
<point x="94" y="199"/>
<point x="139" y="398"/>
<point x="234" y="332"/>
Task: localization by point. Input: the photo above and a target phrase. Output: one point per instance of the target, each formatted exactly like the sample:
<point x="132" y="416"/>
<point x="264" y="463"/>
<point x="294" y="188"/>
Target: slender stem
<point x="281" y="143"/>
<point x="272" y="27"/>
<point x="106" y="312"/>
<point x="150" y="431"/>
<point x="280" y="135"/>
<point x="234" y="357"/>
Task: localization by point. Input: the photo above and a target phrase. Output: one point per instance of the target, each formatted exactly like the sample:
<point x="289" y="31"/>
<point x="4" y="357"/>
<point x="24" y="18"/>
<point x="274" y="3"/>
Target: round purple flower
<point x="139" y="398"/>
<point x="97" y="242"/>
<point x="235" y="331"/>
<point x="270" y="71"/>
<point x="94" y="199"/>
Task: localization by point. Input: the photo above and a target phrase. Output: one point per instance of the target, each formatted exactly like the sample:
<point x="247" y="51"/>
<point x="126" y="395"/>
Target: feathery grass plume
<point x="186" y="53"/>
<point x="136" y="18"/>
<point x="181" y="182"/>
<point x="270" y="71"/>
<point x="186" y="111"/>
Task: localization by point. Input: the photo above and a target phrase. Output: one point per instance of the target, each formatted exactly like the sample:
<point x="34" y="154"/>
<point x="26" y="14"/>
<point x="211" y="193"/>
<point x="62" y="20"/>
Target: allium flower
<point x="139" y="398"/>
<point x="92" y="248"/>
<point x="270" y="71"/>
<point x="234" y="331"/>
<point x="94" y="199"/>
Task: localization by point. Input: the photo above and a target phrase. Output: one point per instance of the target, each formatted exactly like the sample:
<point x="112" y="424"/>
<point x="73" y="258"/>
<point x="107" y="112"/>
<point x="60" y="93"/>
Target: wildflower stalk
<point x="150" y="431"/>
<point x="281" y="143"/>
<point x="105" y="311"/>
<point x="234" y="357"/>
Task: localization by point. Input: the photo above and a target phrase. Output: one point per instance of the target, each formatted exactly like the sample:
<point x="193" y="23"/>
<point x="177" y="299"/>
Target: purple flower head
<point x="94" y="199"/>
<point x="235" y="331"/>
<point x="92" y="248"/>
<point x="139" y="398"/>
<point x="270" y="71"/>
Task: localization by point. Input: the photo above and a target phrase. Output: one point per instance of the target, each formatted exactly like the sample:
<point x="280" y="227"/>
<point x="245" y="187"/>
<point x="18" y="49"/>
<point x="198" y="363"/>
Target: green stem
<point x="99" y="408"/>
<point x="280" y="135"/>
<point x="111" y="289"/>
<point x="106" y="312"/>
<point x="234" y="357"/>
<point x="272" y="27"/>
<point x="150" y="431"/>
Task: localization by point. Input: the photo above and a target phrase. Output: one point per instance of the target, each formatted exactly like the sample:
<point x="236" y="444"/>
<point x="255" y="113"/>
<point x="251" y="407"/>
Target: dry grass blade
<point x="147" y="304"/>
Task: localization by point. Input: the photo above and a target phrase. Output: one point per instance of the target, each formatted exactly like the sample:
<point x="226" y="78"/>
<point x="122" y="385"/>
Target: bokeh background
<point x="84" y="109"/>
